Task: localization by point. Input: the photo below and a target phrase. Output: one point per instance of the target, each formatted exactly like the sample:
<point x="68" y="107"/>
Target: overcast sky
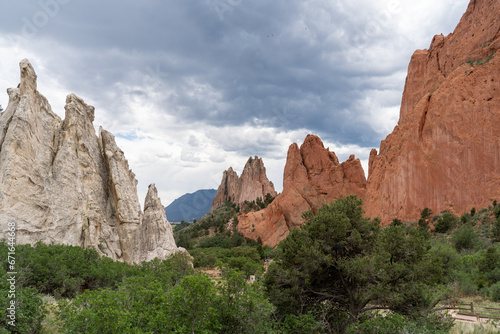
<point x="190" y="88"/>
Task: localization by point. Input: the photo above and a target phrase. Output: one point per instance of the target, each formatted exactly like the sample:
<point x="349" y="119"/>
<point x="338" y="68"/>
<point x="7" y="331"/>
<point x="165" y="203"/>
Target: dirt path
<point x="471" y="318"/>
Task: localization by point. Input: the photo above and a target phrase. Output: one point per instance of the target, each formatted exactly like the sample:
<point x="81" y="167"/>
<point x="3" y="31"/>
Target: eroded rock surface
<point x="445" y="151"/>
<point x="60" y="183"/>
<point x="313" y="176"/>
<point x="252" y="184"/>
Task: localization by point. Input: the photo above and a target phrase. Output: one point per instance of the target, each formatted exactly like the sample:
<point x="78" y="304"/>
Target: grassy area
<point x="470" y="328"/>
<point x="481" y="305"/>
<point x="49" y="323"/>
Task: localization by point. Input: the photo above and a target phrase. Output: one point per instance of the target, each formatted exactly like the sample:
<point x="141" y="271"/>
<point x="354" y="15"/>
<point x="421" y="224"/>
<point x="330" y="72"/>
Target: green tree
<point x="191" y="306"/>
<point x="327" y="263"/>
<point x="495" y="232"/>
<point x="426" y="213"/>
<point x="242" y="307"/>
<point x="464" y="238"/>
<point x="412" y="276"/>
<point x="341" y="264"/>
<point x="397" y="222"/>
<point x="445" y="223"/>
<point x="495" y="292"/>
<point x="489" y="265"/>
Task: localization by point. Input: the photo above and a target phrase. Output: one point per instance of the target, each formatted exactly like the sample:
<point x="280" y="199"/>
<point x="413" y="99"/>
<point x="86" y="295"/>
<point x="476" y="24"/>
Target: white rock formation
<point x="60" y="183"/>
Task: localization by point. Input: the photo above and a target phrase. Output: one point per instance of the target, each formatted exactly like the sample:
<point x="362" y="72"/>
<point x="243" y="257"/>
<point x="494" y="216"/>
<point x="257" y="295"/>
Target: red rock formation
<point x="252" y="184"/>
<point x="445" y="150"/>
<point x="227" y="189"/>
<point x="313" y="176"/>
<point x="444" y="153"/>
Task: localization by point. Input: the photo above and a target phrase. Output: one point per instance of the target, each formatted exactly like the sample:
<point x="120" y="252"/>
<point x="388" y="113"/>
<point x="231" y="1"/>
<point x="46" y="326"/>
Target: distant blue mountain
<point x="189" y="207"/>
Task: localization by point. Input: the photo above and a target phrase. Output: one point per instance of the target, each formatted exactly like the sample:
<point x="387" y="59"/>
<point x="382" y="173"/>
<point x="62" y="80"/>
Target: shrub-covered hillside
<point x="340" y="273"/>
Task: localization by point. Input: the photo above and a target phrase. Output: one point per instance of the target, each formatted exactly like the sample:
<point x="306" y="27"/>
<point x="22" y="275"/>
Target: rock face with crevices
<point x="252" y="184"/>
<point x="313" y="176"/>
<point x="444" y="153"/>
<point x="61" y="183"/>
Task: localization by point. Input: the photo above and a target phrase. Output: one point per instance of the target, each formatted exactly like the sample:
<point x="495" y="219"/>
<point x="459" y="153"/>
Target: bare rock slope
<point x="61" y="183"/>
<point x="445" y="151"/>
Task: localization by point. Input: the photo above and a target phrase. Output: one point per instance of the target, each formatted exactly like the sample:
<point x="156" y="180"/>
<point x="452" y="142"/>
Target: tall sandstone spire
<point x="252" y="184"/>
<point x="444" y="153"/>
<point x="313" y="176"/>
<point x="61" y="183"/>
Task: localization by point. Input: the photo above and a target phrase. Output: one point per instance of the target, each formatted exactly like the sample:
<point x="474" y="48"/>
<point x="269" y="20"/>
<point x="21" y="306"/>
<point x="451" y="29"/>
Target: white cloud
<point x="188" y="99"/>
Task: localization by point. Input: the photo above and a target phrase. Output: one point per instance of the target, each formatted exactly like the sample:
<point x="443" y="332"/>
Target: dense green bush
<point x="495" y="231"/>
<point x="65" y="271"/>
<point x="246" y="259"/>
<point x="195" y="304"/>
<point x="495" y="292"/>
<point x="464" y="238"/>
<point x="496" y="210"/>
<point x="29" y="309"/>
<point x="445" y="223"/>
<point x="300" y="324"/>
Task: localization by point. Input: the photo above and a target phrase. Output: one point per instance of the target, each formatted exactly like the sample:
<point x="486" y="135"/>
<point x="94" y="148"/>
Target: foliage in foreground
<point x="214" y="241"/>
<point x="327" y="278"/>
<point x="29" y="309"/>
<point x="397" y="323"/>
<point x="194" y="304"/>
<point x="341" y="264"/>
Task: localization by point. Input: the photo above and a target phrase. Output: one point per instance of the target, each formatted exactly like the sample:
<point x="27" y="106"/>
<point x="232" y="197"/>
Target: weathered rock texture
<point x="313" y="176"/>
<point x="445" y="150"/>
<point x="60" y="183"/>
<point x="444" y="153"/>
<point x="252" y="184"/>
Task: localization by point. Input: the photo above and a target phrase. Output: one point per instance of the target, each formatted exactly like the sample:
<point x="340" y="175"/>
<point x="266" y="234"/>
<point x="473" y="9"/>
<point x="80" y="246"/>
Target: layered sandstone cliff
<point x="61" y="183"/>
<point x="252" y="184"/>
<point x="313" y="176"/>
<point x="445" y="151"/>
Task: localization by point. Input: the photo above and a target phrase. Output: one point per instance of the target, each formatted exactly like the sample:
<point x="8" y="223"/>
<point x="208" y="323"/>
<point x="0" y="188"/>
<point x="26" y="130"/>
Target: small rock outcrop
<point x="313" y="176"/>
<point x="252" y="184"/>
<point x="61" y="183"/>
<point x="156" y="237"/>
<point x="445" y="151"/>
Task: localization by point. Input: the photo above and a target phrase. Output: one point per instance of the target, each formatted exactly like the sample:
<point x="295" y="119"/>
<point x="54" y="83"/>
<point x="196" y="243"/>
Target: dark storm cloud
<point x="224" y="62"/>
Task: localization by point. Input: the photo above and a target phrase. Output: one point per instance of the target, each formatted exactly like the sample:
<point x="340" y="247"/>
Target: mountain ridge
<point x="190" y="206"/>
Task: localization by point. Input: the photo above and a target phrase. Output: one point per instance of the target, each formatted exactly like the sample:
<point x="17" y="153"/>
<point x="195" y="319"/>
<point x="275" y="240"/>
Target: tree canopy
<point x="341" y="264"/>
